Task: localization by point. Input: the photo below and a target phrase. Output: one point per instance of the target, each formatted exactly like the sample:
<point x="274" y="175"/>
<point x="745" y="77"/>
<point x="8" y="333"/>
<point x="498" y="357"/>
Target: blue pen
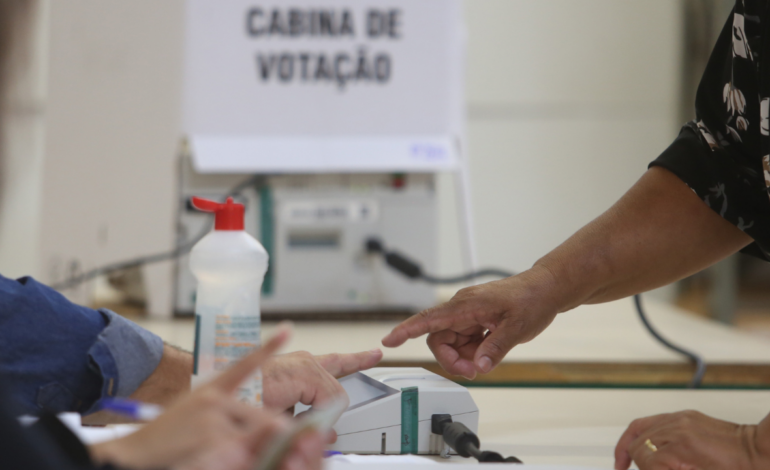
<point x="329" y="453"/>
<point x="132" y="408"/>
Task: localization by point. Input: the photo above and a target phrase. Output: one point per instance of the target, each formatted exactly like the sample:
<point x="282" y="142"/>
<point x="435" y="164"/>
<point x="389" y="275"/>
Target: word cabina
<point x="294" y="22"/>
<point x="341" y="67"/>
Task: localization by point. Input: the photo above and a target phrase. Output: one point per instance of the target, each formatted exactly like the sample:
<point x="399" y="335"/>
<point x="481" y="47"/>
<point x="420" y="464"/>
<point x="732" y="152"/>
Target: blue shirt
<point x="59" y="356"/>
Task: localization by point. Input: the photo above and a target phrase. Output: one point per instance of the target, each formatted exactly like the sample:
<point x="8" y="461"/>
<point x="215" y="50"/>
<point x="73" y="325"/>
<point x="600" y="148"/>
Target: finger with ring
<point x="650" y="445"/>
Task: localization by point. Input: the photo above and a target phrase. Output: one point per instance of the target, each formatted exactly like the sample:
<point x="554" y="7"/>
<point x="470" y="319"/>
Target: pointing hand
<point x="474" y="331"/>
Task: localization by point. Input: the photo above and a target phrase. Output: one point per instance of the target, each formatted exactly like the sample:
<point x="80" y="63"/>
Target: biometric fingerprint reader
<point x="380" y="416"/>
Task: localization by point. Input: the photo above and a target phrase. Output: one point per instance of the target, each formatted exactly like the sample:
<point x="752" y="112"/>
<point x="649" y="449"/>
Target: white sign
<point x="314" y="86"/>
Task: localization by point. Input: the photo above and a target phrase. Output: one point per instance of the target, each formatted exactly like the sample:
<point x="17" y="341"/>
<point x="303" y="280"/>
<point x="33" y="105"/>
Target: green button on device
<point x="410" y="407"/>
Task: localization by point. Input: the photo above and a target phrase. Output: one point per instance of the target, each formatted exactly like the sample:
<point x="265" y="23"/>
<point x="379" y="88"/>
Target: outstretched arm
<point x="658" y="232"/>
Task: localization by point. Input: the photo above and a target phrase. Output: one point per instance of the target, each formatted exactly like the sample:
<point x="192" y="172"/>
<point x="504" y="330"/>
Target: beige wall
<point x="92" y="151"/>
<point x="112" y="130"/>
<point x="23" y="139"/>
<point x="568" y="101"/>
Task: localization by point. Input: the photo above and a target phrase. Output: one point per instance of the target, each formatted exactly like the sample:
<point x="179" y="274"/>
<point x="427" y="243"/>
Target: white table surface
<point x="565" y="426"/>
<point x="568" y="427"/>
<point x="582" y="426"/>
<point x="592" y="333"/>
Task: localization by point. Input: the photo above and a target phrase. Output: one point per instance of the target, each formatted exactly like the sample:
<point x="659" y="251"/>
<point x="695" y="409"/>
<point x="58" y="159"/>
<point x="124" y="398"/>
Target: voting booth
<point x="347" y="109"/>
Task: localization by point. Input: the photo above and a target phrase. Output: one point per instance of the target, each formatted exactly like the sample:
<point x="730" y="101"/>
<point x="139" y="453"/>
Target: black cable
<point x="413" y="270"/>
<point x="465" y="277"/>
<point x="700" y="364"/>
<point x="179" y="250"/>
<point x="464" y="441"/>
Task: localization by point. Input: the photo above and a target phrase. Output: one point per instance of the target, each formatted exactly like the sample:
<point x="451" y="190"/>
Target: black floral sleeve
<point x="724" y="155"/>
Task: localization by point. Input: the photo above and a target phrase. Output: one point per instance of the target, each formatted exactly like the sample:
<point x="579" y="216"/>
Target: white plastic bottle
<point x="230" y="266"/>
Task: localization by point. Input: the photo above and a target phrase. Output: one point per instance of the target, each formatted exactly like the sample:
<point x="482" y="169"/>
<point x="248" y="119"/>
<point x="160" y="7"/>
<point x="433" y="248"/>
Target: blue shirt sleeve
<point x="59" y="356"/>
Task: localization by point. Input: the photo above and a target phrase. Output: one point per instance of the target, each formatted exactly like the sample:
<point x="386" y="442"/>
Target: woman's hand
<point x="689" y="440"/>
<point x="211" y="429"/>
<point x="475" y="330"/>
<point x="311" y="380"/>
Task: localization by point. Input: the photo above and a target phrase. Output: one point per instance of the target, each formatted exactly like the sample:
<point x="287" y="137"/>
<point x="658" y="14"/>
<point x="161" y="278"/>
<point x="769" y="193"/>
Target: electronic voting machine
<point x="391" y="407"/>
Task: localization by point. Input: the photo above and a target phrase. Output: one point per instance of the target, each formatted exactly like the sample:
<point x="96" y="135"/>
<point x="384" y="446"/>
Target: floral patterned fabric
<point x="724" y="154"/>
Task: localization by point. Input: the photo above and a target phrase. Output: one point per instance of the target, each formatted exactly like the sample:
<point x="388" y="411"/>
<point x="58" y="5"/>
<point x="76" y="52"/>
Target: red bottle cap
<point x="227" y="216"/>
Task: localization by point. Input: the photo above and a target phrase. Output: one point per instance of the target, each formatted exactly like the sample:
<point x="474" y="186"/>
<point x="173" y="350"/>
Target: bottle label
<point x="234" y="336"/>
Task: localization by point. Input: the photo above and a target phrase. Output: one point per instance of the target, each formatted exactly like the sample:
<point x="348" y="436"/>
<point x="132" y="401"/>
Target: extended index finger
<point x="232" y="378"/>
<point x="428" y="321"/>
<point x="340" y="365"/>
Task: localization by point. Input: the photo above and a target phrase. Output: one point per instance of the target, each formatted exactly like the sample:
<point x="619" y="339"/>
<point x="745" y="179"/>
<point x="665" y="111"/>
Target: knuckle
<point x="516" y="325"/>
<point x="285" y="356"/>
<point x="426" y="314"/>
<point x="694" y="414"/>
<point x="304" y="355"/>
<point x="635" y="423"/>
<point x="334" y="357"/>
<point x="495" y="348"/>
<point x="468" y="293"/>
<point x="686" y="418"/>
<point x="421" y="318"/>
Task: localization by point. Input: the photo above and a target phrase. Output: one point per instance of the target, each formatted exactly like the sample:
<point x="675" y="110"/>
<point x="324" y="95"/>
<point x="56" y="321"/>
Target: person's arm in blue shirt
<point x="58" y="356"/>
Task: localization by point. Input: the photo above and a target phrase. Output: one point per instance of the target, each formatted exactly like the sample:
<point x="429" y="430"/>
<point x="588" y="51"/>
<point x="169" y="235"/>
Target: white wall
<point x="112" y="123"/>
<point x="23" y="138"/>
<point x="568" y="101"/>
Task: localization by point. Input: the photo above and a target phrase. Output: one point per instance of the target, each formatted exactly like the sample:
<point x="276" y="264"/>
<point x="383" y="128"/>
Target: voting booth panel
<point x="348" y="108"/>
<point x="335" y="86"/>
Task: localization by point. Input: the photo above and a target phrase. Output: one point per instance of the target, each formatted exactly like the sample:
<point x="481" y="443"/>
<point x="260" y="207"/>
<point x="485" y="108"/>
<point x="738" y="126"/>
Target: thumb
<point x="495" y="346"/>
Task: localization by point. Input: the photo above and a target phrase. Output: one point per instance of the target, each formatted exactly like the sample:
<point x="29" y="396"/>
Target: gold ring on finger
<point x="650" y="445"/>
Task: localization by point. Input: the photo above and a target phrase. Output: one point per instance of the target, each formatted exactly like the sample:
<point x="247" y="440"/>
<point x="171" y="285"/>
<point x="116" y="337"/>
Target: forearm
<point x="657" y="233"/>
<point x="169" y="381"/>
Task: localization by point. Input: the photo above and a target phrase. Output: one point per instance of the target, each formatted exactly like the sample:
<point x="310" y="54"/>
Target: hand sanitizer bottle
<point x="230" y="266"/>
